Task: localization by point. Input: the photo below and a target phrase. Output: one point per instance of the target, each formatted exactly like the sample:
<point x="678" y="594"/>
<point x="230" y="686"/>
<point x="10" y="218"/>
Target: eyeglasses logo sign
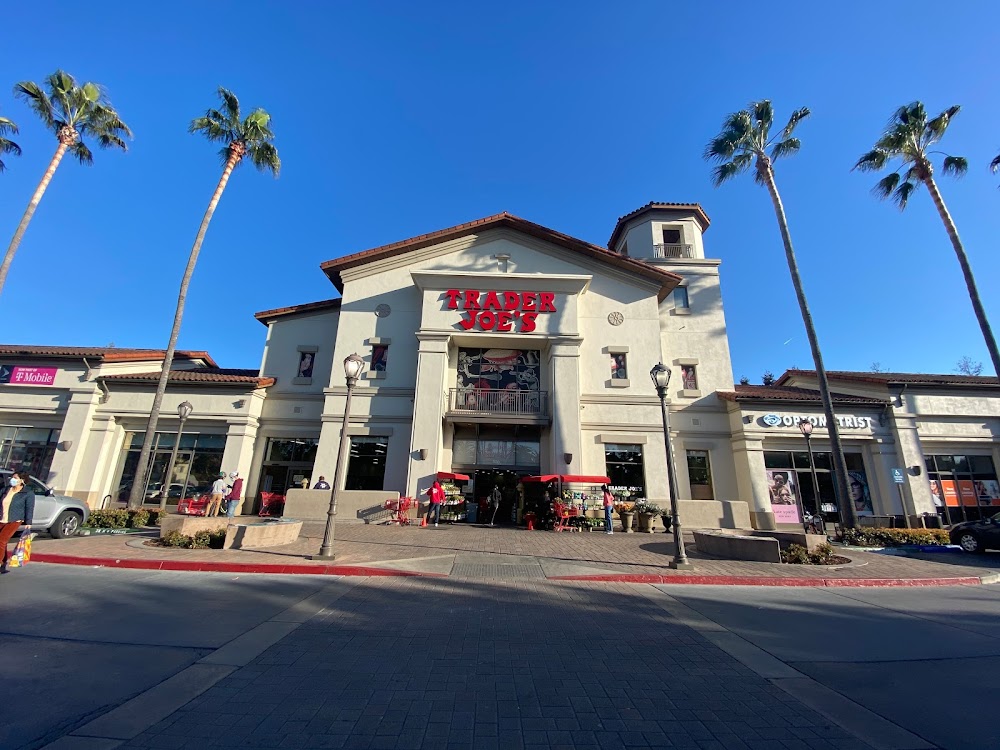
<point x="772" y="420"/>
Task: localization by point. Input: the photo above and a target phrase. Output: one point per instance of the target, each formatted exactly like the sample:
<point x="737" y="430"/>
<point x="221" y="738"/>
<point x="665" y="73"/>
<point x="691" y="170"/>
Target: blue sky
<point x="394" y="119"/>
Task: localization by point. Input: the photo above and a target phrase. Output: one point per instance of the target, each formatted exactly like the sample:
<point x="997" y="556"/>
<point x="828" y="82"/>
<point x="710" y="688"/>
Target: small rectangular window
<point x="700" y="475"/>
<point x="619" y="367"/>
<point x="380" y="357"/>
<point x="366" y="464"/>
<point x="681" y="298"/>
<point x="671" y="236"/>
<point x="689" y="377"/>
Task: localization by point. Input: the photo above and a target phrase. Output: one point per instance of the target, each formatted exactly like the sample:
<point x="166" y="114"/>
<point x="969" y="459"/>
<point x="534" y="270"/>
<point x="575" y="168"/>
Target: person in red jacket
<point x="436" y="495"/>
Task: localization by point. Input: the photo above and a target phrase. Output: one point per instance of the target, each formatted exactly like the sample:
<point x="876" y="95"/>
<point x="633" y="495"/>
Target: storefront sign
<point x="500" y="311"/>
<point x="14" y="375"/>
<point x="792" y="420"/>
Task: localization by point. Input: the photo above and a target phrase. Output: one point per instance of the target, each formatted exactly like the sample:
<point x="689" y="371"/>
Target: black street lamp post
<point x="184" y="410"/>
<point x="661" y="379"/>
<point x="353" y="367"/>
<point x="806" y="427"/>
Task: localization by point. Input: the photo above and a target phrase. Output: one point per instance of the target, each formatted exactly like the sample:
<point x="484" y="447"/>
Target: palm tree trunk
<point x="840" y="485"/>
<point x="970" y="279"/>
<point x="139" y="481"/>
<point x="29" y="212"/>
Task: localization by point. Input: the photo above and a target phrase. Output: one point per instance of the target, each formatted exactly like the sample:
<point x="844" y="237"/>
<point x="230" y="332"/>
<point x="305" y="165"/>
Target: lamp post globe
<point x="354" y="366"/>
<point x="660" y="375"/>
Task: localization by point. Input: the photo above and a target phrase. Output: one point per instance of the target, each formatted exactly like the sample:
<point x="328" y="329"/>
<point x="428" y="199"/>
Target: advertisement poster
<point x="784" y="500"/>
<point x="965" y="489"/>
<point x="988" y="491"/>
<point x="860" y="494"/>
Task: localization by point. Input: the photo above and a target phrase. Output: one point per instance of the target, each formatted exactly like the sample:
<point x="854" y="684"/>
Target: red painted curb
<point x="765" y="581"/>
<point x="216" y="567"/>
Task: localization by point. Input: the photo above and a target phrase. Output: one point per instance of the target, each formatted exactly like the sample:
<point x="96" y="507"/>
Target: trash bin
<point x="471" y="512"/>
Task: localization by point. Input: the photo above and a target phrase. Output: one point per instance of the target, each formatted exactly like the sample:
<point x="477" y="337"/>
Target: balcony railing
<point x="485" y="401"/>
<point x="672" y="251"/>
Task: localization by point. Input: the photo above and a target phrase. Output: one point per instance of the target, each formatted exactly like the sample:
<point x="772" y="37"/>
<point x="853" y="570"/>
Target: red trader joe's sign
<point x="500" y="311"/>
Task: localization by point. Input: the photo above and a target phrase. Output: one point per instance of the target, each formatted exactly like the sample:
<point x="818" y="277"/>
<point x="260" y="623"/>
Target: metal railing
<point x="673" y="251"/>
<point x="486" y="401"/>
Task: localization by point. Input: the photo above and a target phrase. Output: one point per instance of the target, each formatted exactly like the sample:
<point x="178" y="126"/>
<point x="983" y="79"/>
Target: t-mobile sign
<point x="28" y="375"/>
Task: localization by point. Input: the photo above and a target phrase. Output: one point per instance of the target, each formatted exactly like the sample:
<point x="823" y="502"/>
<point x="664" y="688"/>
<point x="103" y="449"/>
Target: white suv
<point x="60" y="515"/>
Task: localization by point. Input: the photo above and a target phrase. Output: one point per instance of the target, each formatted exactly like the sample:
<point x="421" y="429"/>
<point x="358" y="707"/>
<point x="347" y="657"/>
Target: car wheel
<point x="67" y="524"/>
<point x="969" y="542"/>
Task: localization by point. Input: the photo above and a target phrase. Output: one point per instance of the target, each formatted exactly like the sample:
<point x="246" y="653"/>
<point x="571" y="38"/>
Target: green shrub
<point x="155" y="516"/>
<point x="201" y="540"/>
<point x="108" y="519"/>
<point x="175" y="539"/>
<point x="138" y="518"/>
<point x="895" y="537"/>
<point x="822" y="555"/>
<point x="795" y="554"/>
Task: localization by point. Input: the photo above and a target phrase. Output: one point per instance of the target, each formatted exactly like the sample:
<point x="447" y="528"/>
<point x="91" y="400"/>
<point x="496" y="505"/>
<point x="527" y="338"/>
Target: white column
<point x="428" y="405"/>
<point x="238" y="456"/>
<point x="67" y="471"/>
<point x="911" y="453"/>
<point x="564" y="399"/>
<point x="751" y="480"/>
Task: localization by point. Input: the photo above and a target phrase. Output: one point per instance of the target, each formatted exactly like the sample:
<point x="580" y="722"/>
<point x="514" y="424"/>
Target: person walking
<point x="495" y="497"/>
<point x="233" y="498"/>
<point x="18" y="510"/>
<point x="322" y="484"/>
<point x="436" y="494"/>
<point x="217" y="493"/>
<point x="609" y="509"/>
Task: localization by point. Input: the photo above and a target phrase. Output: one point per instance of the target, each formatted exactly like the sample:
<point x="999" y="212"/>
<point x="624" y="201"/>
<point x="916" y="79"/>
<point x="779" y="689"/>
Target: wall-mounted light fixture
<point x="568" y="458"/>
<point x="240" y="403"/>
<point x="915" y="470"/>
<point x="422" y="454"/>
<point x="65" y="445"/>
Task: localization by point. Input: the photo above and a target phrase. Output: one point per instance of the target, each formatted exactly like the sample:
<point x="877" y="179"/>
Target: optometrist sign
<point x="500" y="311"/>
<point x="792" y="420"/>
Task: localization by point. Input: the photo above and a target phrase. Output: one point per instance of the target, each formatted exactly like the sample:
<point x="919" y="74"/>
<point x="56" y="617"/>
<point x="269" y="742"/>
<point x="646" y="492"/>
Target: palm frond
<point x="786" y="147"/>
<point x="82" y="153"/>
<point x="763" y="114"/>
<point x="37" y="100"/>
<point x="939" y="124"/>
<point x="995" y="164"/>
<point x="884" y="187"/>
<point x="956" y="165"/>
<point x="265" y="157"/>
<point x="730" y="169"/>
<point x="7" y="126"/>
<point x="873" y="161"/>
<point x="231" y="103"/>
<point x="797" y="116"/>
<point x="8" y="146"/>
<point x="903" y="192"/>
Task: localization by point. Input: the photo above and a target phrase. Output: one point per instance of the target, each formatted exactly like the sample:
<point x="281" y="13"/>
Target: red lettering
<point x="487" y="320"/>
<point x="546" y="302"/>
<point x="503" y="321"/>
<point x="528" y="322"/>
<point x="471" y="299"/>
<point x="492" y="302"/>
<point x="528" y="300"/>
<point x="468" y="322"/>
<point x="511" y="300"/>
<point x="453" y="295"/>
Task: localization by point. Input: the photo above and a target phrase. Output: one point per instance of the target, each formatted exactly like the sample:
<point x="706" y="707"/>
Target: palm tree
<point x="71" y="112"/>
<point x="249" y="137"/>
<point x="744" y="142"/>
<point x="909" y="136"/>
<point x="7" y="146"/>
<point x="995" y="164"/>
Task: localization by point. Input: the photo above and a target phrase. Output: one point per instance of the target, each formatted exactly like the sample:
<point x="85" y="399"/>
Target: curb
<point x="790" y="582"/>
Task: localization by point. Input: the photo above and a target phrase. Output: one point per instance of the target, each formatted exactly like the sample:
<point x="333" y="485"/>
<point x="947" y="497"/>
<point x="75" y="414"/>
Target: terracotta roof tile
<point x="327" y="304"/>
<point x="332" y="268"/>
<point x="695" y="208"/>
<point x="104" y="353"/>
<point x="216" y="375"/>
<point x="787" y="393"/>
<point x="885" y="378"/>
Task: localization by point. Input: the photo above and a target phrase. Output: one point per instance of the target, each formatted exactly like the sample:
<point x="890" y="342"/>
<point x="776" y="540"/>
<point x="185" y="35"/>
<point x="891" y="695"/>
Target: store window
<point x="625" y="469"/>
<point x="516" y="446"/>
<point x="681" y="298"/>
<point x="380" y="357"/>
<point x="619" y="367"/>
<point x="700" y="475"/>
<point x="366" y="464"/>
<point x="671" y="235"/>
<point x="964" y="487"/>
<point x="27" y="449"/>
<point x="789" y="478"/>
<point x="689" y="377"/>
<point x="198" y="463"/>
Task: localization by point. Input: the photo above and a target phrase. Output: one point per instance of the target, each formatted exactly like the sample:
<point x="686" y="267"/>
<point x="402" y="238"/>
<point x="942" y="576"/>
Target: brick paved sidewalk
<point x="436" y="550"/>
<point x="407" y="664"/>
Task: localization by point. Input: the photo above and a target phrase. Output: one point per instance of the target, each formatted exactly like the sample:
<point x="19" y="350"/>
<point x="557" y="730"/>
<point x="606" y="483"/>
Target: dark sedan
<point x="977" y="536"/>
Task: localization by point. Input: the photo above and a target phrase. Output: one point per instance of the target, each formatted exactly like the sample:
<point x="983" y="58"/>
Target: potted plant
<point x="626" y="513"/>
<point x="667" y="521"/>
<point x="647" y="512"/>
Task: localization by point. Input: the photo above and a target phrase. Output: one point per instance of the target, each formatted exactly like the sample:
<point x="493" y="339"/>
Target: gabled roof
<point x="787" y="393"/>
<point x="266" y="316"/>
<point x="894" y="378"/>
<point x="102" y="353"/>
<point x="695" y="208"/>
<point x="206" y="375"/>
<point x="333" y="268"/>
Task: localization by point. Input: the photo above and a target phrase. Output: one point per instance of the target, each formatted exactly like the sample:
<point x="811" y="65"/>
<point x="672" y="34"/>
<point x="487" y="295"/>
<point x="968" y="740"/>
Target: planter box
<point x="191" y="525"/>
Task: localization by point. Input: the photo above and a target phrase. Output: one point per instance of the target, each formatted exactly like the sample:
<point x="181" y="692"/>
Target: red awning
<point x="542" y="478"/>
<point x="582" y="479"/>
<point x="452" y="477"/>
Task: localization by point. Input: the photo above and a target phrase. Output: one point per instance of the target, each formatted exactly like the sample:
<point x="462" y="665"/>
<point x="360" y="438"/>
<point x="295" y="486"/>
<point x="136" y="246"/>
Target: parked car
<point x="977" y="536"/>
<point x="60" y="515"/>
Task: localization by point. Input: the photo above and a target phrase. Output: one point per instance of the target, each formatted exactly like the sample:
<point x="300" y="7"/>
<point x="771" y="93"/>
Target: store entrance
<point x="483" y="482"/>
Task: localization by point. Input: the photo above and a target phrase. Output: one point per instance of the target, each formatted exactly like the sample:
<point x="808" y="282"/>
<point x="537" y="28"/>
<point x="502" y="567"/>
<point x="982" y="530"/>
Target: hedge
<point x="895" y="537"/>
<point x="201" y="540"/>
<point x="124" y="518"/>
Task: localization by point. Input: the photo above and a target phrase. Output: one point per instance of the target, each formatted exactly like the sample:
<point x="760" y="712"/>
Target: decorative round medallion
<point x="616" y="318"/>
<point x="382" y="311"/>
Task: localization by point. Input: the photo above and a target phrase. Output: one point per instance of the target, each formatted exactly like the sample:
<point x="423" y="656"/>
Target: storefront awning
<point x="568" y="478"/>
<point x="450" y="476"/>
<point x="543" y="478"/>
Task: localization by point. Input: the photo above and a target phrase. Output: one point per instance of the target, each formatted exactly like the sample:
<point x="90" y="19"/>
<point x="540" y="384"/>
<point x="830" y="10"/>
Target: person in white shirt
<point x="218" y="492"/>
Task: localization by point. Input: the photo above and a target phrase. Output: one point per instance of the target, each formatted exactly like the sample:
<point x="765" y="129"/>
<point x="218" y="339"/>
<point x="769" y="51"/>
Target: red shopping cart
<point x="567" y="517"/>
<point x="271" y="504"/>
<point x="401" y="507"/>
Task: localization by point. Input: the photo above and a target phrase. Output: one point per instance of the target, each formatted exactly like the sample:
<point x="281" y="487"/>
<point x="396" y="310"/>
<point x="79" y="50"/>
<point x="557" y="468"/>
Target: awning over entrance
<point x="568" y="479"/>
<point x="452" y="477"/>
